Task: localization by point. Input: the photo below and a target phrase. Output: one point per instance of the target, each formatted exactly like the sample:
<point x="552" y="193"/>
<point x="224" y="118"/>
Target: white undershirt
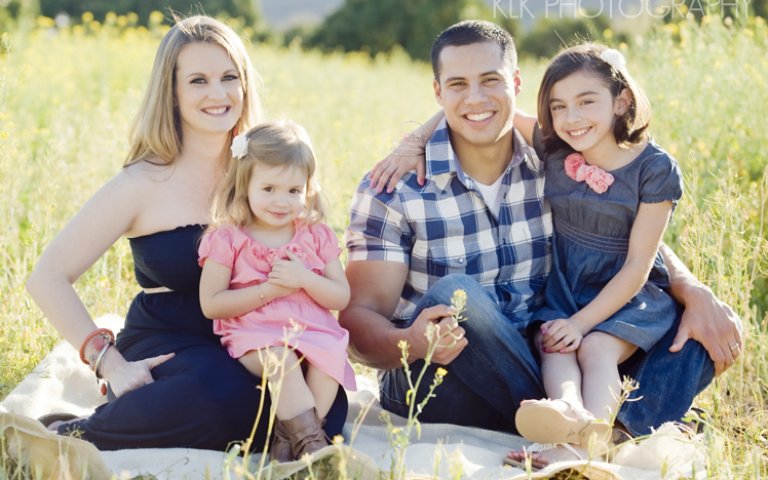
<point x="490" y="194"/>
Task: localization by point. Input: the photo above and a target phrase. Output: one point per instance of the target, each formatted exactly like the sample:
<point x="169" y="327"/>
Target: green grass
<point x="67" y="98"/>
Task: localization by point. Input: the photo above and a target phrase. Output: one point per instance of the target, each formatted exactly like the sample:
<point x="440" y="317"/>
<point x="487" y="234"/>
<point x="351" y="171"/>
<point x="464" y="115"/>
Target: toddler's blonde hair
<point x="274" y="144"/>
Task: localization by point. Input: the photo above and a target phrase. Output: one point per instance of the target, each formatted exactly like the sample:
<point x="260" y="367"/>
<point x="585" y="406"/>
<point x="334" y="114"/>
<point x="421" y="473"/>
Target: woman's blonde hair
<point x="156" y="131"/>
<point x="272" y="144"/>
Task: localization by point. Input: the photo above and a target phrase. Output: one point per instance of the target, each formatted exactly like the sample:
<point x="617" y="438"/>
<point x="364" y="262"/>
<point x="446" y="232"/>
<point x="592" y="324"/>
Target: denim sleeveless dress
<point x="591" y="240"/>
<point x="201" y="398"/>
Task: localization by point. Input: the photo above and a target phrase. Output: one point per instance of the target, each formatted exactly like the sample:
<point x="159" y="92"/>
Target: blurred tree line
<point x="15" y="12"/>
<point x="249" y="10"/>
<point x="379" y="26"/>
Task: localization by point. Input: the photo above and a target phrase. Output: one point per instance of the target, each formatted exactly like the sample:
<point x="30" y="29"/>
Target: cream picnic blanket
<point x="61" y="383"/>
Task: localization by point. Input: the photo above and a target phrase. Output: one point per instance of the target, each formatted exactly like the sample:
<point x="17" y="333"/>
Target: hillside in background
<point x="283" y="14"/>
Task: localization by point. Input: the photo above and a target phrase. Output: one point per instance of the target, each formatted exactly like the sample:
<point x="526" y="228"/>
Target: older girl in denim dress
<point x="612" y="192"/>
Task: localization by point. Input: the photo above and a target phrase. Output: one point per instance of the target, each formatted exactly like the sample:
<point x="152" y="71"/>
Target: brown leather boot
<point x="305" y="433"/>
<point x="280" y="449"/>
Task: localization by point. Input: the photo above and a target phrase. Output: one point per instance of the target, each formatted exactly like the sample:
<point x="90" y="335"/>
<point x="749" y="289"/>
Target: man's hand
<point x="713" y="324"/>
<point x="449" y="335"/>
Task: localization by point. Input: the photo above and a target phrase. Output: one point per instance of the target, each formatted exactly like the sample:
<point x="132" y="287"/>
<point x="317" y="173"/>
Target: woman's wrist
<point x="95" y="344"/>
<point x="96" y="364"/>
<point x="110" y="363"/>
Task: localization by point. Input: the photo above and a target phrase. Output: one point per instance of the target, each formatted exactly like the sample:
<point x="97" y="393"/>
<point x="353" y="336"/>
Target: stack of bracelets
<point x="92" y="352"/>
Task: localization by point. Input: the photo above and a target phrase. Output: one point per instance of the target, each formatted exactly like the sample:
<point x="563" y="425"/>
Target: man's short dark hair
<point x="469" y="32"/>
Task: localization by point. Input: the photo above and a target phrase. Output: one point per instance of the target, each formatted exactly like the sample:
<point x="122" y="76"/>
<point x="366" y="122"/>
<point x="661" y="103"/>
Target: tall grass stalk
<point x="399" y="437"/>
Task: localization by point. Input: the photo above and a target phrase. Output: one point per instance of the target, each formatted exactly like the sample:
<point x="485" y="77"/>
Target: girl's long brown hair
<point x="630" y="128"/>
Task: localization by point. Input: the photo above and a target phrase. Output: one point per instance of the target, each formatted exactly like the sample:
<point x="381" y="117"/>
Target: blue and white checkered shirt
<point x="446" y="227"/>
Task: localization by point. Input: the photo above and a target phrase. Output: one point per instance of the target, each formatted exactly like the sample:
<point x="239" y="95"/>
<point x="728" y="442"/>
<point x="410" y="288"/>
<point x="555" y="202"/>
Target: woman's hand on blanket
<point x="124" y="376"/>
<point x="712" y="323"/>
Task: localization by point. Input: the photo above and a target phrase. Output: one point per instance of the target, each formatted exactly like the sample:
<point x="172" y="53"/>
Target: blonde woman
<point x="171" y="382"/>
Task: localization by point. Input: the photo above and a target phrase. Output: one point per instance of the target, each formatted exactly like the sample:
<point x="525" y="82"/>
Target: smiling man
<point x="479" y="224"/>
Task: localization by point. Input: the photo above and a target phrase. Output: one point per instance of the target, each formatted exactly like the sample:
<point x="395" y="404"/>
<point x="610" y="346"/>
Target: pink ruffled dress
<point x="323" y="342"/>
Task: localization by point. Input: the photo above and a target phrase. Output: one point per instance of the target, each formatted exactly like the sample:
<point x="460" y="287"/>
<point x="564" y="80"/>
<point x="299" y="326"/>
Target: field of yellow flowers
<point x="67" y="96"/>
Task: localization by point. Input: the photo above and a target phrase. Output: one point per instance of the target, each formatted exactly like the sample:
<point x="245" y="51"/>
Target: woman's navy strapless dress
<point x="201" y="398"/>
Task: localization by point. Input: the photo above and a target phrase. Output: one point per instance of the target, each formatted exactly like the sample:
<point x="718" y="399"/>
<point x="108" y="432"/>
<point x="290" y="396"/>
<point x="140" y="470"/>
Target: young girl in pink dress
<point x="271" y="273"/>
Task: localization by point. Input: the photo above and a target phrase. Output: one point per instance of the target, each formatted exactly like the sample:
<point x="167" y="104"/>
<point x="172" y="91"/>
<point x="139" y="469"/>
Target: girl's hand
<point x="124" y="376"/>
<point x="406" y="157"/>
<point x="289" y="272"/>
<point x="561" y="335"/>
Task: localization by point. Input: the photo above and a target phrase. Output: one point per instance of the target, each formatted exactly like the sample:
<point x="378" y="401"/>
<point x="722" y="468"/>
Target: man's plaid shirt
<point x="446" y="227"/>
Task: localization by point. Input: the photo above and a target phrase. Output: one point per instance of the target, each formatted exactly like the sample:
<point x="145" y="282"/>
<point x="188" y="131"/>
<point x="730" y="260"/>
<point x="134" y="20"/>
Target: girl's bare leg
<point x="324" y="389"/>
<point x="289" y="390"/>
<point x="562" y="377"/>
<point x="599" y="356"/>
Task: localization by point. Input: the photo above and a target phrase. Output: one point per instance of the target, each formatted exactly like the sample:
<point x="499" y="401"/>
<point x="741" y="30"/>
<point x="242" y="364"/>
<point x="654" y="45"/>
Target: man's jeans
<point x="497" y="370"/>
<point x="487" y="381"/>
<point x="668" y="382"/>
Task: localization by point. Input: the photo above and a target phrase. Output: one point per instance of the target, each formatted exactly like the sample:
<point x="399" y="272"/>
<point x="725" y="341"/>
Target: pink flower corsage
<point x="596" y="178"/>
